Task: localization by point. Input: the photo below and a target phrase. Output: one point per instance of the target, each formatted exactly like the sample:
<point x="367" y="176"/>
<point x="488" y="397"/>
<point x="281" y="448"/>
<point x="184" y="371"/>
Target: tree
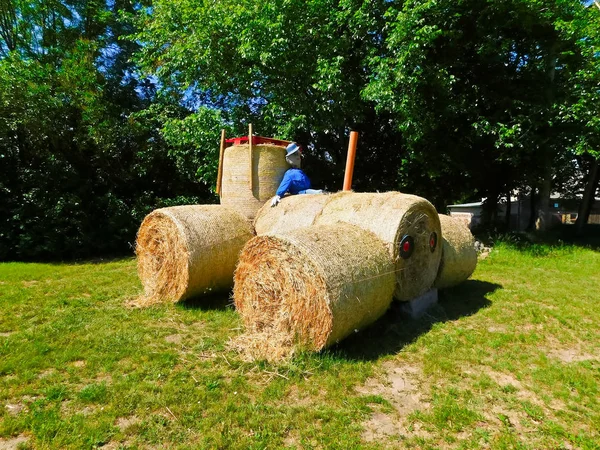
<point x="476" y="88"/>
<point x="584" y="112"/>
<point x="296" y="69"/>
<point x="79" y="170"/>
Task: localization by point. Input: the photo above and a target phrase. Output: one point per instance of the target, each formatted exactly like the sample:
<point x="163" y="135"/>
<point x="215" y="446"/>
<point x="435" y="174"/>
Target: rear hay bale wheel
<point x="407" y="224"/>
<point x="185" y="251"/>
<point x="459" y="257"/>
<point x="293" y="212"/>
<point x="268" y="167"/>
<point x="311" y="288"/>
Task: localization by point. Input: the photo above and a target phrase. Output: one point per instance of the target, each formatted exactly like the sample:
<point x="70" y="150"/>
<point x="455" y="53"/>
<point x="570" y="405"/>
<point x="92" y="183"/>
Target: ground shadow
<point x="218" y="301"/>
<point x="395" y="329"/>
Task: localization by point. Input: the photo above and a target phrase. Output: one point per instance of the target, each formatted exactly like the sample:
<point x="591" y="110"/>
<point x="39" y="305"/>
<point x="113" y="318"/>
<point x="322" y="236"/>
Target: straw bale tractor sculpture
<point x="308" y="272"/>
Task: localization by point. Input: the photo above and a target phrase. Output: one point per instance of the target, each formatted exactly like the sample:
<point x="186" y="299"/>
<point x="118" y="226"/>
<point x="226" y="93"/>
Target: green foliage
<point x="79" y="168"/>
<point x="477" y="89"/>
<point x="295" y="69"/>
<point x="109" y="109"/>
<point x="453" y="99"/>
<point x="193" y="141"/>
<point x="584" y="111"/>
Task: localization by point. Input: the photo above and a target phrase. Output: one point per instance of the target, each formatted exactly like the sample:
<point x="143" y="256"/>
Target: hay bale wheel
<point x="407" y="224"/>
<point x="185" y="251"/>
<point x="293" y="212"/>
<point x="268" y="167"/>
<point x="459" y="257"/>
<point x="311" y="287"/>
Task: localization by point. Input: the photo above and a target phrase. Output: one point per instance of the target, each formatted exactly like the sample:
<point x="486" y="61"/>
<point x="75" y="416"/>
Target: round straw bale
<point x="184" y="251"/>
<point x="459" y="257"/>
<point x="396" y="219"/>
<point x="293" y="212"/>
<point x="312" y="287"/>
<point x="268" y="167"/>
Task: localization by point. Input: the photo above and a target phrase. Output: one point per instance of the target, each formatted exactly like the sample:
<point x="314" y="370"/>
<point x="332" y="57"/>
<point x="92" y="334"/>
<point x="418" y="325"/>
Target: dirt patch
<point x="174" y="339"/>
<point x="67" y="409"/>
<point x="79" y="363"/>
<point x="509" y="417"/>
<point x="292" y="440"/>
<point x="125" y="422"/>
<point x="504" y="379"/>
<point x="380" y="426"/>
<point x="401" y="386"/>
<point x="46" y="373"/>
<point x="14" y="408"/>
<point x="114" y="445"/>
<point x="572" y="355"/>
<point x="295" y="398"/>
<point x="525" y="394"/>
<point x="29" y="283"/>
<point x="103" y="378"/>
<point x="12" y="443"/>
<point x="5" y="334"/>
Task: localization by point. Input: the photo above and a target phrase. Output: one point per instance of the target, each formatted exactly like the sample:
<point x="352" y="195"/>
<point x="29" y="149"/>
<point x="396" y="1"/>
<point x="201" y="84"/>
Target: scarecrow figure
<point x="295" y="180"/>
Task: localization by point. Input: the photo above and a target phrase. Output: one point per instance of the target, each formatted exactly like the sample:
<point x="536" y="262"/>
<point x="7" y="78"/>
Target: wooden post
<point x="221" y="154"/>
<point x="350" y="161"/>
<point x="251" y="159"/>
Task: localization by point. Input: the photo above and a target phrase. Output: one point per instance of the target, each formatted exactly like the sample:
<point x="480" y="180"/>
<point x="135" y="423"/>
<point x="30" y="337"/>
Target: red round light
<point x="406" y="247"/>
<point x="432" y="242"/>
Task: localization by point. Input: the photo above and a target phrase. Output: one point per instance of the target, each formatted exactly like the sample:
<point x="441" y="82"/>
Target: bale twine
<point x="310" y="287"/>
<point x="268" y="167"/>
<point x="459" y="257"/>
<point x="396" y="219"/>
<point x="293" y="212"/>
<point x="185" y="251"/>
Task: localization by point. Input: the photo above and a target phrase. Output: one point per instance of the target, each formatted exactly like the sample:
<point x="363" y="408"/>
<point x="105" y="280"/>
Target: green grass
<point x="509" y="359"/>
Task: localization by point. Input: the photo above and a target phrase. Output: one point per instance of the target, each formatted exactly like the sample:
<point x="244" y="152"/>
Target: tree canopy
<point x="109" y="109"/>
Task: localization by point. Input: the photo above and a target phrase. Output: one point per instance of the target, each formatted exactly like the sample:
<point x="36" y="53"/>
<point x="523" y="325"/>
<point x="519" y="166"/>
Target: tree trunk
<point x="508" y="211"/>
<point x="587" y="201"/>
<point x="543" y="219"/>
<point x="532" y="211"/>
<point x="543" y="216"/>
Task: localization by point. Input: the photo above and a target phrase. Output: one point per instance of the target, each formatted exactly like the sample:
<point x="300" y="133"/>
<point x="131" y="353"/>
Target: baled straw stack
<point x="268" y="167"/>
<point x="293" y="212"/>
<point x="310" y="287"/>
<point x="185" y="251"/>
<point x="392" y="216"/>
<point x="459" y="257"/>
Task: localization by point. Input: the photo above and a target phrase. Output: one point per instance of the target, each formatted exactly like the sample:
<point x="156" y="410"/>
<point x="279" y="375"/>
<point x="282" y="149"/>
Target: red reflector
<point x="406" y="247"/>
<point x="431" y="242"/>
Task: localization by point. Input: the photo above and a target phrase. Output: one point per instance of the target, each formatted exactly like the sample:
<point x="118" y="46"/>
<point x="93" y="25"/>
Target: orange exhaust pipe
<point x="251" y="171"/>
<point x="350" y="161"/>
<point x="221" y="153"/>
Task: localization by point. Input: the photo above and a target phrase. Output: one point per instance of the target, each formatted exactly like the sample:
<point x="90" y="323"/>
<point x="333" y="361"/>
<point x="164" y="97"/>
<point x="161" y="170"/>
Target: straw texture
<point x="269" y="166"/>
<point x="292" y="213"/>
<point x="310" y="287"/>
<point x="185" y="251"/>
<point x="459" y="257"/>
<point x="391" y="216"/>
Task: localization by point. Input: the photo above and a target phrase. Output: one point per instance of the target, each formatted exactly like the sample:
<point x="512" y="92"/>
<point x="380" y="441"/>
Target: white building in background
<point x="562" y="211"/>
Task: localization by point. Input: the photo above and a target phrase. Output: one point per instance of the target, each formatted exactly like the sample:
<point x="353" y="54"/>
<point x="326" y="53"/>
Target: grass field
<point x="509" y="359"/>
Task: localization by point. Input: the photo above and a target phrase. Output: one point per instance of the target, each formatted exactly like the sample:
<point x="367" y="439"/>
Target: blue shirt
<point x="294" y="181"/>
